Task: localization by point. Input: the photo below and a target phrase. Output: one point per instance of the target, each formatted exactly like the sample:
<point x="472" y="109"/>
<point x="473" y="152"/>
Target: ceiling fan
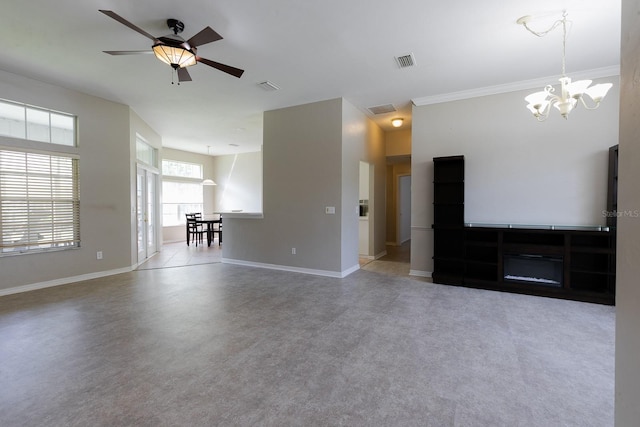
<point x="174" y="50"/>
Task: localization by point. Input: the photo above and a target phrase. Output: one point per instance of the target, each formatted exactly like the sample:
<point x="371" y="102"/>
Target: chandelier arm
<point x="584" y="104"/>
<point x="544" y="114"/>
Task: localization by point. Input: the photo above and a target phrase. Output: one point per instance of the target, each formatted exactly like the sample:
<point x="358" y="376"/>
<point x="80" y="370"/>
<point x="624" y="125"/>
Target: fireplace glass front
<point x="533" y="269"/>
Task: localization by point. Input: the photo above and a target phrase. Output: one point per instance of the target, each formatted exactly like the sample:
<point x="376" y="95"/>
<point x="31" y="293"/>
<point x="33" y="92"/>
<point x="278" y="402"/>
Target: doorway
<point x="365" y="209"/>
<point x="147" y="201"/>
<point x="404" y="209"/>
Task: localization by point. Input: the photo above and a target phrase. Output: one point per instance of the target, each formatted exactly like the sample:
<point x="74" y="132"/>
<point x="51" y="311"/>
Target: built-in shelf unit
<point x="576" y="263"/>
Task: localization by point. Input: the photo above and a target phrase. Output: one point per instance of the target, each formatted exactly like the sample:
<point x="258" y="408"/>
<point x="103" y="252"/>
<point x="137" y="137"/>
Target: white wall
<point x="628" y="269"/>
<point x="177" y="233"/>
<point x="105" y="182"/>
<point x="398" y="142"/>
<point x="239" y="179"/>
<point x="517" y="170"/>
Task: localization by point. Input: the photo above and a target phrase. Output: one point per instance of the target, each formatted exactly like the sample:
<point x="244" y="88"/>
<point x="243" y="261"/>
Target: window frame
<point x="28" y="124"/>
<point x="22" y="146"/>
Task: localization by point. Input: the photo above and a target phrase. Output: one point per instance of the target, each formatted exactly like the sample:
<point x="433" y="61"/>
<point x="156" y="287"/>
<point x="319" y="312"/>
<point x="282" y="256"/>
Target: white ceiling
<point x="312" y="50"/>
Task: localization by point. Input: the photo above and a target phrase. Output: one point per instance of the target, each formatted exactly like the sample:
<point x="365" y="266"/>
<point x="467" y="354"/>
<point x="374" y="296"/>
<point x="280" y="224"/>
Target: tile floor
<point x="212" y="344"/>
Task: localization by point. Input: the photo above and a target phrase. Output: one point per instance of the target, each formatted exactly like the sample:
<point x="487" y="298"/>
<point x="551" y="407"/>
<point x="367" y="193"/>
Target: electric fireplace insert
<point x="534" y="269"/>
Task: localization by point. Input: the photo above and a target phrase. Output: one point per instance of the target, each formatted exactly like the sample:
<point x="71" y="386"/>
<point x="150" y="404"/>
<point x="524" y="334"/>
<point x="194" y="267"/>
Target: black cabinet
<point x="482" y="256"/>
<point x="448" y="219"/>
<point x="569" y="263"/>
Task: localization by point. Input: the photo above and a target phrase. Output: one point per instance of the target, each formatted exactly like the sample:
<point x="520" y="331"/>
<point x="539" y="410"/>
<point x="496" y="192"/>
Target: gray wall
<point x="311" y="157"/>
<point x="104" y="130"/>
<point x="517" y="170"/>
<point x="628" y="268"/>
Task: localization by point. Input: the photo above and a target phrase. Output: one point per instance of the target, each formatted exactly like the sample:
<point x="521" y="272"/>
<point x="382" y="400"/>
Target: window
<point x="39" y="202"/>
<point x="37" y="124"/>
<point x="181" y="191"/>
<point x="39" y="193"/>
<point x="182" y="169"/>
<point x="145" y="153"/>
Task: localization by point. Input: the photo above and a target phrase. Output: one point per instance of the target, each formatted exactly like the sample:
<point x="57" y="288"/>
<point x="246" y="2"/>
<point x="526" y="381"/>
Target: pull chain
<point x="173" y="73"/>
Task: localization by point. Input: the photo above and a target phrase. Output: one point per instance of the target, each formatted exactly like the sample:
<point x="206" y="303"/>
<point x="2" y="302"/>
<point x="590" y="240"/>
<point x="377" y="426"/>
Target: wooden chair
<point x="217" y="228"/>
<point x="195" y="231"/>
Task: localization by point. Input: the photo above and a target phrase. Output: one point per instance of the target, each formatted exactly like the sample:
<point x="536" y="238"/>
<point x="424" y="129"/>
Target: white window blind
<point x="39" y="202"/>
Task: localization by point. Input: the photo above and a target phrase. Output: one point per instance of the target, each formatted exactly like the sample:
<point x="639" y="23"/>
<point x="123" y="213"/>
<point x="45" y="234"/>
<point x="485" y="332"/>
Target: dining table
<point x="210" y="221"/>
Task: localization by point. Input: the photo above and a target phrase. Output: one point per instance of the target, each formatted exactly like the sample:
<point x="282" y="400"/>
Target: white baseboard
<point x="325" y="273"/>
<point x="420" y="273"/>
<point x="63" y="281"/>
<point x="373" y="257"/>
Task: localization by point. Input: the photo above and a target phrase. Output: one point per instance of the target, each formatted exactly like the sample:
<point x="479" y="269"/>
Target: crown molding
<point x="513" y="87"/>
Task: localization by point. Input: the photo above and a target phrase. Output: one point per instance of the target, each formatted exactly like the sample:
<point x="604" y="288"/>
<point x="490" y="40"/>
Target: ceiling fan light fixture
<point x="177" y="57"/>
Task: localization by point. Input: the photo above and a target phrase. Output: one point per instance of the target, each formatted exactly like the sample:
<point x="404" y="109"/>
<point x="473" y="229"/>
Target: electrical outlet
<point x="99" y="255"/>
<point x="293" y="251"/>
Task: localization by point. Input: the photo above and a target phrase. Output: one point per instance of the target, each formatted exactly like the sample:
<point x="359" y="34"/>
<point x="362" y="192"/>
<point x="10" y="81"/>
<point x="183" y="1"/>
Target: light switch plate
<point x="330" y="210"/>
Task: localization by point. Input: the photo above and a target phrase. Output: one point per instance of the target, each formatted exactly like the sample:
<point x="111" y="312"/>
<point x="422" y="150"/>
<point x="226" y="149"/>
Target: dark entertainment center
<point x="576" y="263"/>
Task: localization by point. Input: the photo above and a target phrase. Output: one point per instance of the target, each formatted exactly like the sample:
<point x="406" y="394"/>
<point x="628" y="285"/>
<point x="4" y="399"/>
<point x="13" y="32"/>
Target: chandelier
<point x="540" y="103"/>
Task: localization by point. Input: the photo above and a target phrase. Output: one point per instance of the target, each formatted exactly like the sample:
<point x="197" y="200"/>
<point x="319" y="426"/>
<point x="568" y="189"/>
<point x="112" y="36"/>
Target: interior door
<point x="146" y="213"/>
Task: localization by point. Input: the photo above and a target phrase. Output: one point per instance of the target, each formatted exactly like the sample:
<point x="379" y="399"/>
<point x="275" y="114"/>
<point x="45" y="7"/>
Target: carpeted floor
<point x="218" y="344"/>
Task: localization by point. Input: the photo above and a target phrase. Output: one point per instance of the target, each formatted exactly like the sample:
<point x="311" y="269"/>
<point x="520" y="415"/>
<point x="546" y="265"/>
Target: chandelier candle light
<point x="539" y="103"/>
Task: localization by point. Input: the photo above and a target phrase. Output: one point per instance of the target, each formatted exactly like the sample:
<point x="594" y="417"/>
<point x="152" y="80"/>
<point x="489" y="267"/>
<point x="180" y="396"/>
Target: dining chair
<point x="195" y="231"/>
<point x="217" y="228"/>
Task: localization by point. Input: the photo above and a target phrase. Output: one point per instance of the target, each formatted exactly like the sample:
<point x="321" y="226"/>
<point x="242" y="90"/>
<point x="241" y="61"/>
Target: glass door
<point x="146" y="213"/>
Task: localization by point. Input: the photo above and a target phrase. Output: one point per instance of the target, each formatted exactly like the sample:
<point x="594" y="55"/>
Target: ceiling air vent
<point x="268" y="86"/>
<point x="382" y="109"/>
<point x="405" y="61"/>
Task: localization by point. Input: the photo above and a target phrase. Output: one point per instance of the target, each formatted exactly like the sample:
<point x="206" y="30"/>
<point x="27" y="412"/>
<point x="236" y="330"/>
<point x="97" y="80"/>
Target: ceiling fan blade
<point x="128" y="52"/>
<point x="236" y="72"/>
<point x="121" y="20"/>
<point x="183" y="75"/>
<point x="203" y="37"/>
